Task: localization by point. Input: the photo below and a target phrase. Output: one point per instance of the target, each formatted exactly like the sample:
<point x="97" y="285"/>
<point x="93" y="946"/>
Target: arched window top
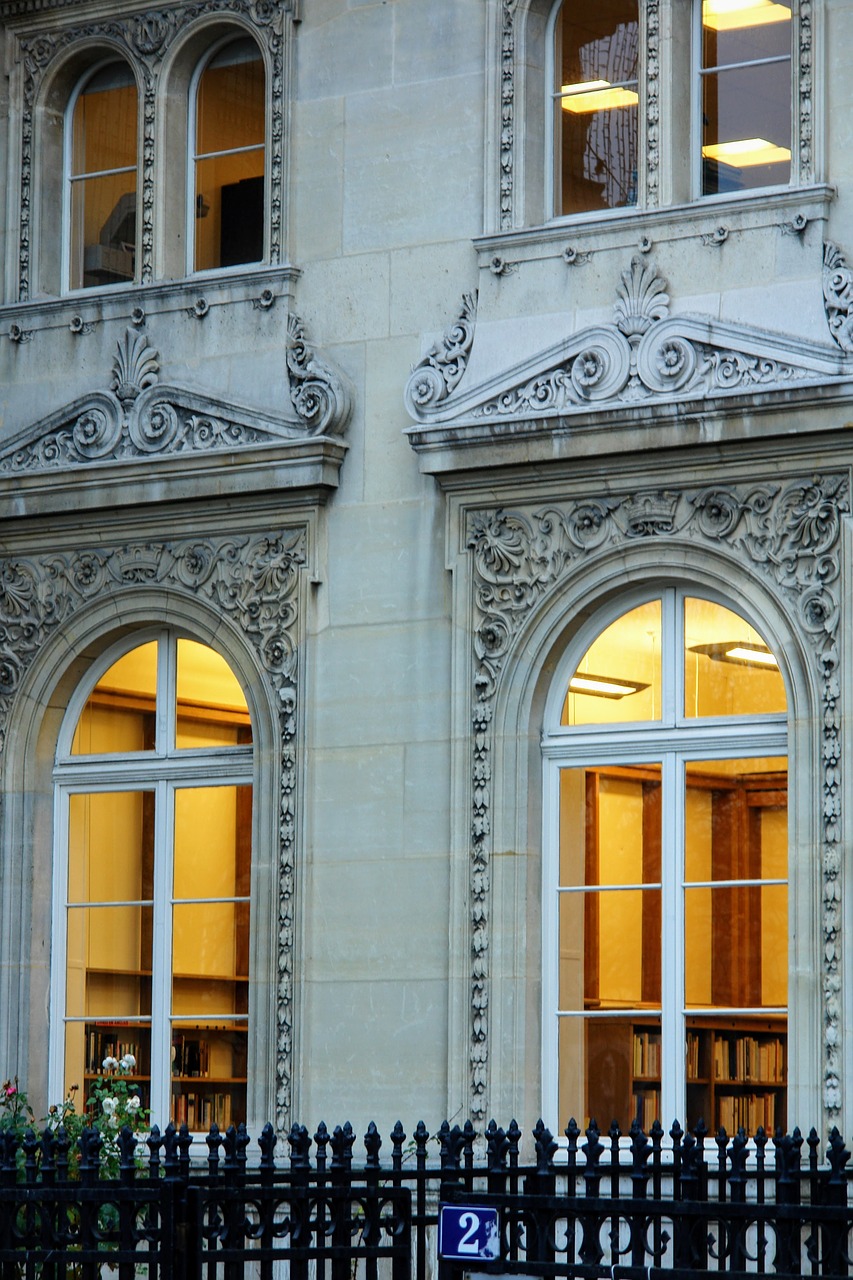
<point x="101" y="167"/>
<point x="228" y="135"/>
<point x="674" y="657"/>
<point x="170" y="693"/>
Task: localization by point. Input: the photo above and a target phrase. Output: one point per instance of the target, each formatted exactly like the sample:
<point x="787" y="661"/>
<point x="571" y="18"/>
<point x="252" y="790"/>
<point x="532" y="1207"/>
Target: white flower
<point x="128" y="1062"/>
<point x="113" y="1122"/>
<point x="133" y="1104"/>
<point x="109" y="1105"/>
<point x="109" y="1064"/>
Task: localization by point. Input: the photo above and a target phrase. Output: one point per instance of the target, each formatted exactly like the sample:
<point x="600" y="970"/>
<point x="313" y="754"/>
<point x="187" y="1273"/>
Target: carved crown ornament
<point x="138" y="419"/>
<point x="646" y="356"/>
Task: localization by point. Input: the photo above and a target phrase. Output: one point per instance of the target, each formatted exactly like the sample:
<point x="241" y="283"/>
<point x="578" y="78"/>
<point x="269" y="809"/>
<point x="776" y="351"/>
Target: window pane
<point x="746" y="107"/>
<point x="609" y="1069"/>
<point x="230" y="111"/>
<point x="119" y="713"/>
<point x="104" y="127"/>
<point x="211" y="710"/>
<point x="208" y="1075"/>
<point x="111" y="847"/>
<point x="229" y="210"/>
<point x="109" y="962"/>
<point x="597" y="105"/>
<point x="728" y="669"/>
<point x="213" y="840"/>
<point x="87" y="1044"/>
<point x="619" y="677"/>
<point x="737" y="1073"/>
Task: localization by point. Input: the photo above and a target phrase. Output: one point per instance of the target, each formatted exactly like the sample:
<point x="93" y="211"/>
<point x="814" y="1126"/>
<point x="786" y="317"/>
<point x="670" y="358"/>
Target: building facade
<point x="426" y="561"/>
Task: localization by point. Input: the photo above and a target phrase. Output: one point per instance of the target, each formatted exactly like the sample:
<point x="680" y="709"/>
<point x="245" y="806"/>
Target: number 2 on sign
<point x="470" y="1223"/>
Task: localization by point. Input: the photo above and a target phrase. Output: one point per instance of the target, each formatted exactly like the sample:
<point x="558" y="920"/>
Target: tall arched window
<point x="665" y="927"/>
<point x="596" y="105"/>
<point x="152" y="881"/>
<point x="229" y="133"/>
<point x="101" y="143"/>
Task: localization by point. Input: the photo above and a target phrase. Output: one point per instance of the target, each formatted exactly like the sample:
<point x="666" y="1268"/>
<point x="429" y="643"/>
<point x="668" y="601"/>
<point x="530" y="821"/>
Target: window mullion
<point x="59" y="936"/>
<point x="673" y="1075"/>
<point x="161" y="960"/>
<point x="550" y="939"/>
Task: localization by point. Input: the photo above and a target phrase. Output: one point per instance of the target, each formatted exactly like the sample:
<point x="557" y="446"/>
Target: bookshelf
<point x="737" y="1070"/>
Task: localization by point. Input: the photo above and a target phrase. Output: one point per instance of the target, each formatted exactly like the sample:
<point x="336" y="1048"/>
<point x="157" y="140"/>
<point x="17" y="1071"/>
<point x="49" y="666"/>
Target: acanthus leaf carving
<point x="321" y="395"/>
<point x="443" y="366"/>
<point x="253" y="580"/>
<point x="135" y="366"/>
<point x="789" y="533"/>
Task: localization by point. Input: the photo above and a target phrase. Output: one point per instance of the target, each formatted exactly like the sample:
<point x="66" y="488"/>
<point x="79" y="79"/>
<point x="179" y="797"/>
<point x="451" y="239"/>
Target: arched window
<point x="665" y="926"/>
<point x="101" y="149"/>
<point x="152" y="881"/>
<point x="745" y="94"/>
<point x="228" y="134"/>
<point x="596" y="105"/>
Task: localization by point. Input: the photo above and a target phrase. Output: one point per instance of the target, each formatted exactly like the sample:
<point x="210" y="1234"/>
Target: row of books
<point x="104" y="1043"/>
<point x="748" y="1111"/>
<point x="190" y="1056"/>
<point x="647" y="1107"/>
<point x="647" y="1053"/>
<point x="745" y="1058"/>
<point x="199" y="1111"/>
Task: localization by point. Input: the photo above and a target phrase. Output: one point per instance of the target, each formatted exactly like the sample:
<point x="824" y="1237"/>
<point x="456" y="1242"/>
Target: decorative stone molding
<point x="838" y="295"/>
<point x="146" y="39"/>
<point x="651" y="13"/>
<point x="789" y="535"/>
<point x="443" y="366"/>
<point x="645" y="356"/>
<point x="140" y="418"/>
<point x="507" y="108"/>
<point x="253" y="580"/>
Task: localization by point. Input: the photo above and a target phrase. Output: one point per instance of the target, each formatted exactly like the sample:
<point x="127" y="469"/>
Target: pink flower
<point x="11" y="1090"/>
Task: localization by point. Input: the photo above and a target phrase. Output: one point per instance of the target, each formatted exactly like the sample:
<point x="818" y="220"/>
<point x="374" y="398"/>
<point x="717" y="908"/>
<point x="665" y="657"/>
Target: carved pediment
<point x="139" y="423"/>
<point x="645" y="357"/>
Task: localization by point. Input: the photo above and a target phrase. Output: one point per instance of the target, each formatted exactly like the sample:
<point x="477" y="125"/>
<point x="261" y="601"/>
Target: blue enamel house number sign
<point x="468" y="1233"/>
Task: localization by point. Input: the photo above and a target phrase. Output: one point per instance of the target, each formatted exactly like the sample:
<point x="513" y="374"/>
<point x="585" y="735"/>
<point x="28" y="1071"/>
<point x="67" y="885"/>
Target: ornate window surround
<point x="528" y="573"/>
<point x="519" y="161"/>
<point x="243" y="593"/>
<point x="52" y="48"/>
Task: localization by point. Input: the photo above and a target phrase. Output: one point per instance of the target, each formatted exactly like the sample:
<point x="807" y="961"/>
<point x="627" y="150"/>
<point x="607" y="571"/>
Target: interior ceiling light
<point x="746" y="152"/>
<point x="596" y="95"/>
<point x="731" y="15"/>
<point x="604" y="686"/>
<point x="742" y="651"/>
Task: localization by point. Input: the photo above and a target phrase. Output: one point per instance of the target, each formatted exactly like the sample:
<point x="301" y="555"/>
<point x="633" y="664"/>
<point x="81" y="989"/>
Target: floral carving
<point x="253" y="580"/>
<point x="838" y="295"/>
<point x="444" y="364"/>
<point x="790" y="536"/>
<point x="135" y="366"/>
<point x="642" y="298"/>
<point x="507" y="109"/>
<point x="321" y="395"/>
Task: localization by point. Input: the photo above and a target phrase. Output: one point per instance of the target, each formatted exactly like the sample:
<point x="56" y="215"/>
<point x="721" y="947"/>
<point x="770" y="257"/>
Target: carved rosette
<point x="788" y="534"/>
<point x="253" y="581"/>
<point x="147" y="39"/>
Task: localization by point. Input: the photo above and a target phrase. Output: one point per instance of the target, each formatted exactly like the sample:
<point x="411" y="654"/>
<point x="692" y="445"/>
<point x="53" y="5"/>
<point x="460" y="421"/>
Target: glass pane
<point x="119" y="713"/>
<point x="103" y="230"/>
<point x="619" y="677"/>
<point x="211" y="710"/>
<point x="609" y="1069"/>
<point x="728" y="668"/>
<point x="742" y="32"/>
<point x="610" y="835"/>
<point x="230" y="109"/>
<point x="737" y="1073"/>
<point x="111" y="846"/>
<point x="597" y="47"/>
<point x="213" y="842"/>
<point x="104" y="126"/>
<point x="210" y="949"/>
<point x="87" y="1044"/>
<point x="208" y="1075"/>
<point x="746" y="137"/>
<point x="229" y="210"/>
<point x="109" y="962"/>
<point x="736" y="947"/>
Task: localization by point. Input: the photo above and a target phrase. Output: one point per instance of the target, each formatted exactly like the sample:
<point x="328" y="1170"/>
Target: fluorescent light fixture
<point x="604" y="686"/>
<point x="742" y="651"/>
<point x="732" y="15"/>
<point x="595" y="95"/>
<point x="746" y="152"/>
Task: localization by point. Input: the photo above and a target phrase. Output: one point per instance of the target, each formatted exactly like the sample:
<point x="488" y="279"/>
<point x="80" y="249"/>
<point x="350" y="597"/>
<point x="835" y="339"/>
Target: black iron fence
<point x="590" y="1205"/>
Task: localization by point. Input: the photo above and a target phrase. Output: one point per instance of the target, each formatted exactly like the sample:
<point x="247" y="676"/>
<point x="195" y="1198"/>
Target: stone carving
<point x="790" y="536"/>
<point x="321" y="395"/>
<point x="146" y="39"/>
<point x="442" y="367"/>
<point x="135" y="367"/>
<point x="507" y="109"/>
<point x="253" y="580"/>
<point x="652" y="16"/>
<point x="645" y="355"/>
<point x="838" y="295"/>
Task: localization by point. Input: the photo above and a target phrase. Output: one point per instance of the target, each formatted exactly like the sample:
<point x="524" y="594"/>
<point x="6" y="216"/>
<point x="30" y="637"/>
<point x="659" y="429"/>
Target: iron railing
<point x="590" y="1205"/>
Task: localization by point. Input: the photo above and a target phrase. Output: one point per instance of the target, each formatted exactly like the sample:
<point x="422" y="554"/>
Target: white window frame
<point x="193" y="157"/>
<point x="68" y="181"/>
<point x="162" y="771"/>
<point x="673" y="741"/>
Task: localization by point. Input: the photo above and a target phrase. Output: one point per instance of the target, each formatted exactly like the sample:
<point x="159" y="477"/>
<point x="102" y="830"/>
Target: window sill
<point x="646" y="228"/>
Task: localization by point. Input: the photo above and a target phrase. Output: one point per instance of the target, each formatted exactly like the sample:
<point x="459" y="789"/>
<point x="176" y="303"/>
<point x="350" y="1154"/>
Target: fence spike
<point x="372" y="1144"/>
<point x="214" y="1141"/>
